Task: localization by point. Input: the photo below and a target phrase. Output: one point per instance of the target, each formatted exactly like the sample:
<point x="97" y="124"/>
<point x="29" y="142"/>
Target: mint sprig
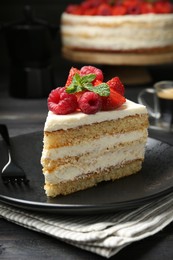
<point x="83" y="83"/>
<point x="101" y="89"/>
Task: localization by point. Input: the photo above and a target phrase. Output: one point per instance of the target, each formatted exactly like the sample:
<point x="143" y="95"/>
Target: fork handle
<point x="5" y="134"/>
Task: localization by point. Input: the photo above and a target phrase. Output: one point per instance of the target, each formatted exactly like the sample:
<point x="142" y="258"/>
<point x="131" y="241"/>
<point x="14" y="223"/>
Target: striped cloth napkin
<point x="104" y="234"/>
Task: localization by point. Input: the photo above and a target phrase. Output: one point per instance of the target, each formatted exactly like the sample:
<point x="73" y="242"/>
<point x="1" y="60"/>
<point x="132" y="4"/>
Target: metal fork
<point x="11" y="173"/>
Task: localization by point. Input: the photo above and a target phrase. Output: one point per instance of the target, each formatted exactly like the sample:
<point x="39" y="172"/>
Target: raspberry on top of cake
<point x="92" y="133"/>
<point x="120" y="7"/>
<point x="85" y="91"/>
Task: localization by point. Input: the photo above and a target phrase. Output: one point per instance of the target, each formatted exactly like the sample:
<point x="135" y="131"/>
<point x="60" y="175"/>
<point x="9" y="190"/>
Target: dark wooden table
<point x="26" y="116"/>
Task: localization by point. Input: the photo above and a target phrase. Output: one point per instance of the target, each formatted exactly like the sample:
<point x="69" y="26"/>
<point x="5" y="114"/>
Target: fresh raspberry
<point x="90" y="103"/>
<point x="79" y="94"/>
<point x="132" y="6"/>
<point x="113" y="101"/>
<point x="86" y="5"/>
<point x="116" y="85"/>
<point x="92" y="70"/>
<point x="130" y="3"/>
<point x="71" y="74"/>
<point x="74" y="9"/>
<point x="90" y="11"/>
<point x="104" y="9"/>
<point x="90" y="3"/>
<point x="147" y="8"/>
<point x="134" y="9"/>
<point x="163" y="7"/>
<point x="60" y="102"/>
<point x="119" y="10"/>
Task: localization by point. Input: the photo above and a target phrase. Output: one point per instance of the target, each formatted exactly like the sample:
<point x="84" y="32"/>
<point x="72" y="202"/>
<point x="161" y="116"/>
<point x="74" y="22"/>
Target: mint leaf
<point x="73" y="89"/>
<point x="102" y="89"/>
<point x="88" y="78"/>
<point x="76" y="78"/>
<point x="82" y="83"/>
<point x="76" y="85"/>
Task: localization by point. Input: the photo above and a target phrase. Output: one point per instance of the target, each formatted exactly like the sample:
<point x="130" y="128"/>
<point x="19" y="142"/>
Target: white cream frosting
<point x="56" y="122"/>
<point x="126" y="32"/>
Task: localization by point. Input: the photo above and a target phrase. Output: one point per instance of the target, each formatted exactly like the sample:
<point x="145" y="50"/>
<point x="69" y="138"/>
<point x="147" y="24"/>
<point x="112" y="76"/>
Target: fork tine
<point x="14" y="177"/>
<point x="11" y="173"/>
<point x="14" y="180"/>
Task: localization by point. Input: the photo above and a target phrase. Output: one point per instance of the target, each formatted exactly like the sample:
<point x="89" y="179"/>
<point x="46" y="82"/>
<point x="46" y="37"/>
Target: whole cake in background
<point x="92" y="133"/>
<point x="121" y="26"/>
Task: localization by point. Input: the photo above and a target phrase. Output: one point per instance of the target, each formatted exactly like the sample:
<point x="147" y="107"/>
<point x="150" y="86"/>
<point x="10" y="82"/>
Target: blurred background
<point x="50" y="11"/>
<point x="47" y="10"/>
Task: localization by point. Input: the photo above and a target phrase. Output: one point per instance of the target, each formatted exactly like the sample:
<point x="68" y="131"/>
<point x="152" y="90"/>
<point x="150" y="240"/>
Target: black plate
<point x="154" y="180"/>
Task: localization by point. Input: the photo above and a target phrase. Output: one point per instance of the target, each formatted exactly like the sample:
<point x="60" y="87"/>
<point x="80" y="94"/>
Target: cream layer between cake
<point x="128" y="32"/>
<point x="101" y="157"/>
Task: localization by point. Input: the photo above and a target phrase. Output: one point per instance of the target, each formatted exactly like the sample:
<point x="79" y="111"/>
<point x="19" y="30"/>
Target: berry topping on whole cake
<point x="86" y="91"/>
<point x="120" y="7"/>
